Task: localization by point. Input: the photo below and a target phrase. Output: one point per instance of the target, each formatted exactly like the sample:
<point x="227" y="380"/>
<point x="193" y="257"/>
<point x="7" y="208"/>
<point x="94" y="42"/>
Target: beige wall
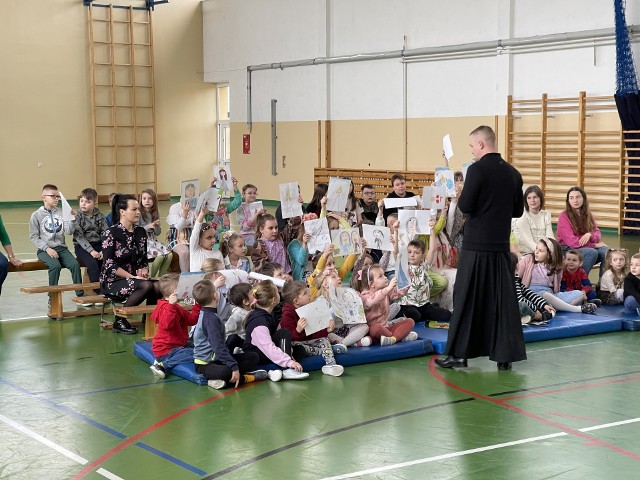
<point x="46" y="104"/>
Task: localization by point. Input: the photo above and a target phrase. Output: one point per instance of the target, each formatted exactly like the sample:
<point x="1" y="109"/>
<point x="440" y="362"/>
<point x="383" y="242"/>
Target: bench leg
<point x="55" y="311"/>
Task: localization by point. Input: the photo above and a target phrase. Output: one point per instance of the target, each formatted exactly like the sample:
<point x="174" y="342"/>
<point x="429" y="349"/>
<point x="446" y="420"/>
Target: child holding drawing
<point x="202" y="240"/>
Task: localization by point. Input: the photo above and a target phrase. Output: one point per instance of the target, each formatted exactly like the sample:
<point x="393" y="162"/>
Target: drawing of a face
<point x="412" y="226"/>
<point x="190" y="190"/>
<point x="378" y="235"/>
<point x="355" y="239"/>
<point x="344" y="238"/>
<point x="348" y="297"/>
<point x="222" y="174"/>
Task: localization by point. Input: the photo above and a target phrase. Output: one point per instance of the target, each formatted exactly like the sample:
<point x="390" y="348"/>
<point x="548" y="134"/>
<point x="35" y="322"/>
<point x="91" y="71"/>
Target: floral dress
<point x="126" y="250"/>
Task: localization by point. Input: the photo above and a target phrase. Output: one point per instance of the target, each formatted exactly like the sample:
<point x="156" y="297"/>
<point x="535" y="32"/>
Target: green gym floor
<point x="76" y="403"/>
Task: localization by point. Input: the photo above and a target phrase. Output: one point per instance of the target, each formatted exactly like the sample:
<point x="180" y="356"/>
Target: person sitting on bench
<point x="4" y="263"/>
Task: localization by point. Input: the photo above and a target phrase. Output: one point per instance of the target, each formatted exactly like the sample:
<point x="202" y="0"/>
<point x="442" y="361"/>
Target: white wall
<point x="238" y="34"/>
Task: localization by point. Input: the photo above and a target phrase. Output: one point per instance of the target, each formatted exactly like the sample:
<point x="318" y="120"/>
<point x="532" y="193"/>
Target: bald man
<point x="486" y="319"/>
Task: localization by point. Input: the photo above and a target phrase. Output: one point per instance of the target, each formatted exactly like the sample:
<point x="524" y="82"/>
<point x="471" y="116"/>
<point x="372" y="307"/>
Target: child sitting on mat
<point x="173" y="322"/>
<point x="632" y="286"/>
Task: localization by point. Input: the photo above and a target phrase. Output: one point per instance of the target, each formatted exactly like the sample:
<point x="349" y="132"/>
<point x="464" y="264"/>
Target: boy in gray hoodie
<point x="87" y="236"/>
<point x="47" y="230"/>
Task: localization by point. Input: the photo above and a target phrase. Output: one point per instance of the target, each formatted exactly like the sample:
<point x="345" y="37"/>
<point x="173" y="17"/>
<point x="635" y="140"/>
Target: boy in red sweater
<point x="169" y="344"/>
<point x="296" y="294"/>
<point x="575" y="278"/>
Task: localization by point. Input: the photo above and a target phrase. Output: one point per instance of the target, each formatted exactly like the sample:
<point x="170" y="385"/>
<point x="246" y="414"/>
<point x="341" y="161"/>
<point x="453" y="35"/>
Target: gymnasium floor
<point x="76" y="403"/>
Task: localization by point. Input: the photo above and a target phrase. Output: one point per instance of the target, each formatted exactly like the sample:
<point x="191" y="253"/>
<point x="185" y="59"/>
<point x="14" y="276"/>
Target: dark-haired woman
<point x="125" y="273"/>
<point x="577" y="230"/>
<point x="535" y="222"/>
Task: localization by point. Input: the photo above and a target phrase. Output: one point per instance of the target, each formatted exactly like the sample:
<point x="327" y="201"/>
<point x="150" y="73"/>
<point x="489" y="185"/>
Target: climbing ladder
<point x="122" y="98"/>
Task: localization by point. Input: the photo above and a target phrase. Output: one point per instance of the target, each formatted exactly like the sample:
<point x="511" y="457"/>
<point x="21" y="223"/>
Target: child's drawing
<point x="338" y="194"/>
<point x="320" y="235"/>
<point x="186" y="283"/>
<point x="223" y="180"/>
<point x="343" y="241"/>
<point x="291" y="207"/>
<point x="190" y="191"/>
<point x="414" y="222"/>
<point x="347" y="305"/>
<point x="402" y="270"/>
<point x="438" y="196"/>
<point x="378" y="238"/>
<point x="234" y="276"/>
<point x="211" y="198"/>
<point x="444" y="178"/>
<point x="317" y="314"/>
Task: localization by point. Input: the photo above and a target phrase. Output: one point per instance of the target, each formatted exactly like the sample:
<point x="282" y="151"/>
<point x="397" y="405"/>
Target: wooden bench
<point x="30" y="265"/>
<point x="145" y="310"/>
<point x="55" y="294"/>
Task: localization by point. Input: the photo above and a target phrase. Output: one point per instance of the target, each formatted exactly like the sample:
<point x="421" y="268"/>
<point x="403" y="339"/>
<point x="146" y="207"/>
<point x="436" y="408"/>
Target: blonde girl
<point x="262" y="335"/>
<point x="377" y="292"/>
<point x="203" y="238"/>
<point x="150" y="220"/>
<point x="347" y="335"/>
<point x="233" y="250"/>
<point x="612" y="281"/>
<point x="247" y="217"/>
<point x="541" y="271"/>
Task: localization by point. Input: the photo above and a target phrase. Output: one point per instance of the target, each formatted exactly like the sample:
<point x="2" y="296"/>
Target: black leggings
<point x="425" y="313"/>
<point x="145" y="290"/>
<point x="218" y="371"/>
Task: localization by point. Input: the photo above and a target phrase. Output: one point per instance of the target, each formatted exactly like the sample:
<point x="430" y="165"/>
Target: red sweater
<point x="289" y="321"/>
<point x="579" y="280"/>
<point x="173" y="326"/>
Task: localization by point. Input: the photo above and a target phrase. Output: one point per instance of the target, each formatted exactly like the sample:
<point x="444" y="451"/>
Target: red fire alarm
<point x="246" y="143"/>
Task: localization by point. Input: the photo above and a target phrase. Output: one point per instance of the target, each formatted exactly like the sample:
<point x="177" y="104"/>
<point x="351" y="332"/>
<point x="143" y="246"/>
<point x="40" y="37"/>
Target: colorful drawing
<point x="378" y="238"/>
<point x="445" y="178"/>
<point x="190" y="191"/>
<point x="343" y="241"/>
<point x="347" y="305"/>
<point x="211" y="198"/>
<point x="438" y="196"/>
<point x="223" y="180"/>
<point x="414" y="222"/>
<point x="291" y="207"/>
<point x="186" y="283"/>
<point x="320" y="234"/>
<point x="317" y="314"/>
<point x="338" y="194"/>
<point x="402" y="270"/>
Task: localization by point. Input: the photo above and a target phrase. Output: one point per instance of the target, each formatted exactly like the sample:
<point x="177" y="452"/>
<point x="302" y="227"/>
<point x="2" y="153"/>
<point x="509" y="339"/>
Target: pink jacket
<point x="376" y="305"/>
<point x="566" y="235"/>
<point x="525" y="270"/>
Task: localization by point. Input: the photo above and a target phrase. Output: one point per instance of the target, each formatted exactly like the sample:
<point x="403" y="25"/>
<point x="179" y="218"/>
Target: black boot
<point x="504" y="365"/>
<point x="451" y="362"/>
<point x="122" y="325"/>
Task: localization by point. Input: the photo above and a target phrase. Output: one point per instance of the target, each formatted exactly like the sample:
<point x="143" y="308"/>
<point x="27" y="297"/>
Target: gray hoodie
<point x="46" y="228"/>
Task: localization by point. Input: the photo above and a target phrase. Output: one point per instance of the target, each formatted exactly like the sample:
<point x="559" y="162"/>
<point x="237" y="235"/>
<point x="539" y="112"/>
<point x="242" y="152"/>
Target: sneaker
<point x="85" y="304"/>
<point x="525" y="319"/>
<point x="255" y="376"/>
<point x="364" y="341"/>
<point x="237" y="351"/>
<point x="158" y="370"/>
<point x="411" y="336"/>
<point x="596" y="301"/>
<point x="387" y="340"/>
<point x="546" y="316"/>
<point x="588" y="308"/>
<point x="275" y="375"/>
<point x="333" y="370"/>
<point x="291" y="374"/>
<point x="339" y="349"/>
<point x="217" y="384"/>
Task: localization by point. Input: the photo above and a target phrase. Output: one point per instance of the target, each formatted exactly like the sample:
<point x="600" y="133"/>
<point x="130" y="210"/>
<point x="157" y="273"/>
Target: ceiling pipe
<point x="585" y="38"/>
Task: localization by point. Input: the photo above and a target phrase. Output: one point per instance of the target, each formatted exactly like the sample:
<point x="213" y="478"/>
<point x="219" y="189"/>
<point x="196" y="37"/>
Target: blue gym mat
<point x="564" y="325"/>
<point x="630" y="320"/>
<point x="355" y="356"/>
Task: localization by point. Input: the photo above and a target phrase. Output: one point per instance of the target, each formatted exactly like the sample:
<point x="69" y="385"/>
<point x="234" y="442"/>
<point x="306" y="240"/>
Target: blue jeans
<point x="631" y="304"/>
<point x="593" y="256"/>
<point x="176" y="357"/>
<point x="4" y="269"/>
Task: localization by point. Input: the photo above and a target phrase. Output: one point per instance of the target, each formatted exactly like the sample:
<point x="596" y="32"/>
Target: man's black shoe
<point x="451" y="362"/>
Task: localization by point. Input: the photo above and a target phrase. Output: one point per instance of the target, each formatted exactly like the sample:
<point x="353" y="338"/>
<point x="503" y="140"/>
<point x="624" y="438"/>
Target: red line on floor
<point x="502" y="403"/>
<point x="568" y="389"/>
<point x="99" y="461"/>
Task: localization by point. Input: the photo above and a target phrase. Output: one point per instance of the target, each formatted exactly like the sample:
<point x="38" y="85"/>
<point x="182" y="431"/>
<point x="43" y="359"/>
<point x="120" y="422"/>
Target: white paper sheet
<point x="186" y="283"/>
<point x="378" y="238"/>
<point x="234" y="276"/>
<point x="317" y="314"/>
<point x="438" y="196"/>
<point x="338" y="194"/>
<point x="447" y="147"/>
<point x="67" y="216"/>
<point x="320" y="234"/>
<point x="289" y="203"/>
<point x="278" y="282"/>
<point x="211" y="196"/>
<point x="414" y="222"/>
<point x="401" y="202"/>
<point x="465" y="167"/>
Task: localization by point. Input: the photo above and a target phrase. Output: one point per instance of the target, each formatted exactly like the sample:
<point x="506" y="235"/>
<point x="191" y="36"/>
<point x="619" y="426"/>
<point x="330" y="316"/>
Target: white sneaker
<point x="217" y="384"/>
<point x="158" y="370"/>
<point x="291" y="374"/>
<point x="275" y="375"/>
<point x="85" y="304"/>
<point x="338" y="349"/>
<point x="525" y="319"/>
<point x="364" y="341"/>
<point x="333" y="370"/>
<point x="411" y="336"/>
<point x="387" y="340"/>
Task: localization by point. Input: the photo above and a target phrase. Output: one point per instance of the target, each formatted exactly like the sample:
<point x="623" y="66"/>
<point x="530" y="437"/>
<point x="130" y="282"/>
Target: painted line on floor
<point x="570" y="389"/>
<point x="98" y="425"/>
<point x="115" y="389"/>
<point x="307" y="440"/>
<point x="502" y="403"/>
<point x="566" y="346"/>
<point x="54" y="446"/>
<point x="471" y="451"/>
<point x="134" y="439"/>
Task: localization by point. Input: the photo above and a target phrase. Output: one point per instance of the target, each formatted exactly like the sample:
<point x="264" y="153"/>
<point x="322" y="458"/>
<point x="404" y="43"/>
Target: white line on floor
<point x="473" y="450"/>
<point x="55" y="446"/>
<point x="566" y="346"/>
